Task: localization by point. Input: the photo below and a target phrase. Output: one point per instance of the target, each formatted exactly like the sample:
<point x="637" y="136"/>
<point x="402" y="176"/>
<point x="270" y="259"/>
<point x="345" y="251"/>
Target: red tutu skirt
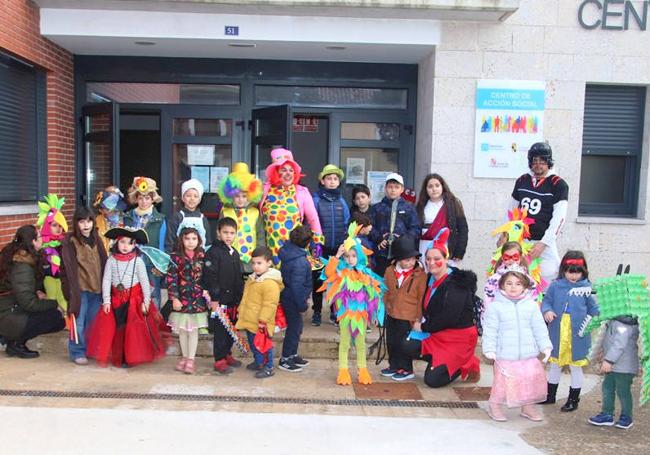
<point x="125" y="335"/>
<point x="453" y="348"/>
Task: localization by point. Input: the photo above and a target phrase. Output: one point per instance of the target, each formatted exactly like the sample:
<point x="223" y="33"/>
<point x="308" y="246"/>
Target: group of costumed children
<point x="519" y="322"/>
<point x="108" y="271"/>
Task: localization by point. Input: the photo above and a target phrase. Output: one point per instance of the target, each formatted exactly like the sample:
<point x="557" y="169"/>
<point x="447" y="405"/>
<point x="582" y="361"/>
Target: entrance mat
<point x="402" y="403"/>
<point x="473" y="393"/>
<point x="388" y="391"/>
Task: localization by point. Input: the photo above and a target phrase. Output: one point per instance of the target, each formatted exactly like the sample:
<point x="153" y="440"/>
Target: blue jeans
<point x="293" y="332"/>
<point x="90" y="304"/>
<point x="260" y="359"/>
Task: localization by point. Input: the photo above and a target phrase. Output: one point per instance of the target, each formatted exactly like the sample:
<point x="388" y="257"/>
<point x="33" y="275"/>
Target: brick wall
<point x="20" y="36"/>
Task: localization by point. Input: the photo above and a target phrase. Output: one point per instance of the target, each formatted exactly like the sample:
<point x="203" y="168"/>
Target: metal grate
<point x="236" y="399"/>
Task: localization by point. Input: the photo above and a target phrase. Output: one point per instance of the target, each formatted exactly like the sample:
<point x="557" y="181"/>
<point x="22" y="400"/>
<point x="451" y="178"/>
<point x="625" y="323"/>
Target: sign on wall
<point x="509" y="119"/>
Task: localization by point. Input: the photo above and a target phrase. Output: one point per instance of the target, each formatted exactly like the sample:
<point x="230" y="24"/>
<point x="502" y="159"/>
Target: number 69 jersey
<point x="538" y="198"/>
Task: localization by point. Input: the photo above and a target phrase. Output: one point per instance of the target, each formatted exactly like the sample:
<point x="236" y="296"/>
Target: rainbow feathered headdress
<point x="238" y="181"/>
<point x="49" y="210"/>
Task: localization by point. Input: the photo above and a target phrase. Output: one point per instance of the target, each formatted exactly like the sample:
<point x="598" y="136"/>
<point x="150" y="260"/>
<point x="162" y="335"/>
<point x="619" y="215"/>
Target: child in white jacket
<point x="514" y="334"/>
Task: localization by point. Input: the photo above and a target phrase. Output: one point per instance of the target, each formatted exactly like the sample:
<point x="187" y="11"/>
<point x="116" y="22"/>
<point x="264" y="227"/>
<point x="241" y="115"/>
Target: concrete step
<point x="315" y="342"/>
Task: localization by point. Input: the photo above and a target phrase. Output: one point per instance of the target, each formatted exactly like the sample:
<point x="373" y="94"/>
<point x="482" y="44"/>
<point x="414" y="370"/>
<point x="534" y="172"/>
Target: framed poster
<point x="216" y="175"/>
<point x="202" y="174"/>
<point x="355" y="171"/>
<point x="200" y="155"/>
<point x="376" y="183"/>
<point x="509" y="119"/>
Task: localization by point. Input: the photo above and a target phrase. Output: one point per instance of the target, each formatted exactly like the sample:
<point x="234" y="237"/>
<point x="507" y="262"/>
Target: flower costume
<point x="250" y="228"/>
<point x="49" y="211"/>
<point x="357" y="295"/>
<point x="284" y="207"/>
<point x="154" y="224"/>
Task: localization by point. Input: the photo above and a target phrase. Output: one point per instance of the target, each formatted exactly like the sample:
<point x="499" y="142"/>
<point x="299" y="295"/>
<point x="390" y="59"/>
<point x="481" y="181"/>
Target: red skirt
<point x="125" y="335"/>
<point x="453" y="348"/>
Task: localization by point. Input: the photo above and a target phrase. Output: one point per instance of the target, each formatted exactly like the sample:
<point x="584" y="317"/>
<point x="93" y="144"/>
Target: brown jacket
<point x="405" y="303"/>
<point x="70" y="271"/>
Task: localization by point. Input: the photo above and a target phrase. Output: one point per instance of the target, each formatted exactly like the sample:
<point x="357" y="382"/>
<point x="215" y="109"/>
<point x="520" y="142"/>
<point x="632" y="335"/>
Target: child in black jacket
<point x="297" y="279"/>
<point x="222" y="278"/>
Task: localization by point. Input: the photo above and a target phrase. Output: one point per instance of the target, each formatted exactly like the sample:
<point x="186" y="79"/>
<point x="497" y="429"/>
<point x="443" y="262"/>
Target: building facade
<point x="179" y="89"/>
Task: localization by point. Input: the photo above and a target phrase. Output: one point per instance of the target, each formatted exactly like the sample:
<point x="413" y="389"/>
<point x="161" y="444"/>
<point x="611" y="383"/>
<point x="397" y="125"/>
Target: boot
<point x="571" y="402"/>
<point x="550" y="395"/>
<point x="18" y="349"/>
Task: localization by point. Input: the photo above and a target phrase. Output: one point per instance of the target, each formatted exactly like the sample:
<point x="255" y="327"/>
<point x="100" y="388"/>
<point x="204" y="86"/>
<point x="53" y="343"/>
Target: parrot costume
<point x="49" y="212"/>
<point x="356" y="293"/>
<point x="518" y="230"/>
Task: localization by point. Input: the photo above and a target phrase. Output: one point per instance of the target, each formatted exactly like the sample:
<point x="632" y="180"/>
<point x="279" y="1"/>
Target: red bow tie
<point x="404" y="274"/>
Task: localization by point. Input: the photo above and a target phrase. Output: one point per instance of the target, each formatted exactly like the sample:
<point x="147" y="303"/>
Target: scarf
<point x="433" y="285"/>
<point x="330" y="195"/>
<point x="126" y="257"/>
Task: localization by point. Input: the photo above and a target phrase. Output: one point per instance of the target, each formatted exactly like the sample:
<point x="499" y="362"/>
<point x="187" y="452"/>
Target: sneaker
<point x="624" y="422"/>
<point x="369" y="329"/>
<point x="299" y="361"/>
<point x="288" y="365"/>
<point x="254" y="366"/>
<point x="388" y="372"/>
<point x="333" y="320"/>
<point x="222" y="367"/>
<point x="233" y="362"/>
<point x="315" y="320"/>
<point x="403" y="375"/>
<point x="81" y="361"/>
<point x="602" y="420"/>
<point x="264" y="373"/>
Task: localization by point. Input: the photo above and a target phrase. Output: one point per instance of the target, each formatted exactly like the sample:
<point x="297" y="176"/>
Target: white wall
<point x="541" y="41"/>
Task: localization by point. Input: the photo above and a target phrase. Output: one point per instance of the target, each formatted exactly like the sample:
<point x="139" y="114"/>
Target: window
<point x="146" y="92"/>
<point x="611" y="150"/>
<point x="338" y="97"/>
<point x="22" y="131"/>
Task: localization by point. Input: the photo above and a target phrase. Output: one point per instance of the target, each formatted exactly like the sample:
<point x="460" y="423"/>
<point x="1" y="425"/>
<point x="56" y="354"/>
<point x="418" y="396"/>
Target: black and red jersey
<point x="538" y="198"/>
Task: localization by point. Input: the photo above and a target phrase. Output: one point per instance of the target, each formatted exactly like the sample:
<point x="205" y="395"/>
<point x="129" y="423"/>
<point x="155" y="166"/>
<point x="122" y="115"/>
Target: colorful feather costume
<point x="356" y="293"/>
<point x="624" y="295"/>
<point x="49" y="212"/>
<point x="518" y="230"/>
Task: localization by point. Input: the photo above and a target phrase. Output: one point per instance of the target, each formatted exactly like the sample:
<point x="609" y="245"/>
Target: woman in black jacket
<point x="25" y="312"/>
<point x="446" y="337"/>
<point x="437" y="207"/>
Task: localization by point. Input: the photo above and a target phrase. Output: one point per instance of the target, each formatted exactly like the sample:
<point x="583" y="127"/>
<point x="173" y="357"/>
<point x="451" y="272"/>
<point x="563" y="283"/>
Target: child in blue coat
<point x="297" y="279"/>
<point x="567" y="302"/>
<point x="334" y="216"/>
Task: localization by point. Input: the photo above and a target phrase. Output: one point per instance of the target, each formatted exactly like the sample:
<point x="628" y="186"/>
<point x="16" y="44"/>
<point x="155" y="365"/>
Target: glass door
<point x="271" y="129"/>
<point x="202" y="144"/>
<point x="370" y="146"/>
<point x="101" y="148"/>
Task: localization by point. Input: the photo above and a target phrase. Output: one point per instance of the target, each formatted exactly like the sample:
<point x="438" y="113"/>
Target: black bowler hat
<point x="139" y="235"/>
<point x="404" y="247"/>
